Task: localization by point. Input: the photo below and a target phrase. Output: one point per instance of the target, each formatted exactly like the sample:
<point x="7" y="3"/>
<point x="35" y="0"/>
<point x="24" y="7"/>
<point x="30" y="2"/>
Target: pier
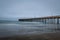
<point x="49" y="19"/>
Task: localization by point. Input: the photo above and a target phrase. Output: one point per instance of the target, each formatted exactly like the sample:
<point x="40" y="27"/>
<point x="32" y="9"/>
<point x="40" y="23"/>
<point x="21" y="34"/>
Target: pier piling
<point x="57" y="20"/>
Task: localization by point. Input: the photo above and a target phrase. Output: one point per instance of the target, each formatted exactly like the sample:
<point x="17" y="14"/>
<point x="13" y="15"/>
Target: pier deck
<point x="43" y="19"/>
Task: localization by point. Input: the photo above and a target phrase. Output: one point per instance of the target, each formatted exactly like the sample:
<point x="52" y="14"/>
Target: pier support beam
<point x="57" y="20"/>
<point x="45" y="21"/>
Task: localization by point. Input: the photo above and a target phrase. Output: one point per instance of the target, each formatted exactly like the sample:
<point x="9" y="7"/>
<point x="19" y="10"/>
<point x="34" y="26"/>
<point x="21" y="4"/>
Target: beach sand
<point x="46" y="36"/>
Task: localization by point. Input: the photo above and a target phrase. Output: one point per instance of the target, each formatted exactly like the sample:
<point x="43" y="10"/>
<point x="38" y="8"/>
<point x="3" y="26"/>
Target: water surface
<point x="10" y="28"/>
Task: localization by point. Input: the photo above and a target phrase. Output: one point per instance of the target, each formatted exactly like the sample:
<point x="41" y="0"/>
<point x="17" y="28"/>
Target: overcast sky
<point x="14" y="9"/>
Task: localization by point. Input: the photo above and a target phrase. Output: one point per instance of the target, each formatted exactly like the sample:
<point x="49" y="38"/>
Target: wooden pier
<point x="50" y="19"/>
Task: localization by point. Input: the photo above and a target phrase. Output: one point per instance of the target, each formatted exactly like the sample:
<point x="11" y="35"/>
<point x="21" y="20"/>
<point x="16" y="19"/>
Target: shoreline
<point x="45" y="36"/>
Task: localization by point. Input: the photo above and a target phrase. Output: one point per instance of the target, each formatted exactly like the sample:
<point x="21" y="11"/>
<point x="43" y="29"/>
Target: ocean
<point x="11" y="28"/>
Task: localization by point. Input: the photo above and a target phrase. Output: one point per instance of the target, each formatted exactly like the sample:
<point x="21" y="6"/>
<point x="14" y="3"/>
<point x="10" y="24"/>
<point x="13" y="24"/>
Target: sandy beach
<point x="46" y="36"/>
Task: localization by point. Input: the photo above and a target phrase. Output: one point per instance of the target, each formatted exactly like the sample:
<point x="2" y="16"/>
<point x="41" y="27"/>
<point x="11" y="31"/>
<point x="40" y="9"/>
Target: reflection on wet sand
<point x="46" y="36"/>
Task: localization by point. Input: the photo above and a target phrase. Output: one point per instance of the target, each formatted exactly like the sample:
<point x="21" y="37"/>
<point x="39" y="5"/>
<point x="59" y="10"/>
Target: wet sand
<point x="46" y="36"/>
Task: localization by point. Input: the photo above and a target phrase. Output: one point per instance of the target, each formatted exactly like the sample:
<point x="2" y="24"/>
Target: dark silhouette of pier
<point x="49" y="19"/>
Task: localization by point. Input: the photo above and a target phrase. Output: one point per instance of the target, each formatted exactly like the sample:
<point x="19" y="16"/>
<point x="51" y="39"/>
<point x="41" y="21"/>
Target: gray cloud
<point x="28" y="8"/>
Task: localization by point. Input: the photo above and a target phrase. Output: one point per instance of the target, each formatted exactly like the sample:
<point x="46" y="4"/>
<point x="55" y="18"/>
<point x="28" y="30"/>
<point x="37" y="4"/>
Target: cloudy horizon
<point x="15" y="9"/>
